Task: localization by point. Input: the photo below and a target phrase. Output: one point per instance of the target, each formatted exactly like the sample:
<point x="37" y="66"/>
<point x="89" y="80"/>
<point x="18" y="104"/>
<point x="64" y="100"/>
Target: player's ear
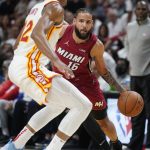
<point x="92" y="24"/>
<point x="74" y="20"/>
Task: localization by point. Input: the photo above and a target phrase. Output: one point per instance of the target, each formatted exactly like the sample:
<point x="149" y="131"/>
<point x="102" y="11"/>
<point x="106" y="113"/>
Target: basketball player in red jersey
<point x="77" y="47"/>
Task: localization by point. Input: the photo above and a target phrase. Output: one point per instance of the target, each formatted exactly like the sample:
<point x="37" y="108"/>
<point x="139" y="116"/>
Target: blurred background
<point x="110" y="21"/>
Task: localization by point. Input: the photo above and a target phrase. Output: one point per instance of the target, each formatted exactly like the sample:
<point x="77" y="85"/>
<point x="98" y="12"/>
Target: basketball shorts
<point x="95" y="95"/>
<point x="32" y="78"/>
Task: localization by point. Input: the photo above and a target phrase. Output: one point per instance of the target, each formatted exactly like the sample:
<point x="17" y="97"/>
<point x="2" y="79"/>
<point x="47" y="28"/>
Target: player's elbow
<point x="35" y="35"/>
<point x="103" y="72"/>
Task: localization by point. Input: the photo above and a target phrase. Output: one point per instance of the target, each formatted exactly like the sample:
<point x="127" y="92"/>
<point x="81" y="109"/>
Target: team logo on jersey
<point x="67" y="43"/>
<point x="40" y="78"/>
<point x="82" y="50"/>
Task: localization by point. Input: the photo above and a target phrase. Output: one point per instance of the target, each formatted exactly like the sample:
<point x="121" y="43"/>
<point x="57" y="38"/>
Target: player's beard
<point x="82" y="36"/>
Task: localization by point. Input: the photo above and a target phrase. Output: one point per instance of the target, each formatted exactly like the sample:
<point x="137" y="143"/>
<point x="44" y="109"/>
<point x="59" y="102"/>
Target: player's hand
<point x="124" y="90"/>
<point x="63" y="68"/>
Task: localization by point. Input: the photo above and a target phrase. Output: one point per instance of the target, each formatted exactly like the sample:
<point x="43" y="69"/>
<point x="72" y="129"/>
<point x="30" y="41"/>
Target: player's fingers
<point x="69" y="74"/>
<point x="125" y="90"/>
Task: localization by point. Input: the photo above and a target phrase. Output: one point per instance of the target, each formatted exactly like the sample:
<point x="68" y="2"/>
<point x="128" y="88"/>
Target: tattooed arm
<point x="112" y="81"/>
<point x="97" y="53"/>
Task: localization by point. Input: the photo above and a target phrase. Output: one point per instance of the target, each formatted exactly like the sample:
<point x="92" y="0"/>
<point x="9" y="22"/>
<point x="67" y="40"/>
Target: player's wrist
<point x="55" y="60"/>
<point x="124" y="90"/>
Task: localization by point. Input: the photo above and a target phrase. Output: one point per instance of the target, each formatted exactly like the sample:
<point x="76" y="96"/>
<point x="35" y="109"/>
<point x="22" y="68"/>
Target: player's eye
<point x="89" y="22"/>
<point x="81" y="20"/>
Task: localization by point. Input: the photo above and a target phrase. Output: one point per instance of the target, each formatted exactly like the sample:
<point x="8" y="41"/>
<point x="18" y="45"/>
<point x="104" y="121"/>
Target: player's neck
<point x="78" y="40"/>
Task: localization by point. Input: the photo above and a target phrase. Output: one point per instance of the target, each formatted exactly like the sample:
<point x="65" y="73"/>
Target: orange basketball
<point x="130" y="103"/>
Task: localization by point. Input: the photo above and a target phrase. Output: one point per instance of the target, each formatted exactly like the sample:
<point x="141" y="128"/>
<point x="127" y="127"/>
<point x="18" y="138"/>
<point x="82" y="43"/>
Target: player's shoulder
<point x="98" y="47"/>
<point x="54" y="9"/>
<point x="93" y="39"/>
<point x="99" y="43"/>
<point x="55" y="5"/>
<point x="67" y="29"/>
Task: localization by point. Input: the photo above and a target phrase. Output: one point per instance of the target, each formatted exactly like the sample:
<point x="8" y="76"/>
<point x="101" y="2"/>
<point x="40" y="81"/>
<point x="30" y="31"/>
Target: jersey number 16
<point x="73" y="66"/>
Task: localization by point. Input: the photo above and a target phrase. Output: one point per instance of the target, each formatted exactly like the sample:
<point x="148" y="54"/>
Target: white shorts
<point x="32" y="78"/>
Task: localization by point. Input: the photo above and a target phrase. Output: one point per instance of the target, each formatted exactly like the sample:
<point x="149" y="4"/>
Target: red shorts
<point x="89" y="86"/>
<point x="95" y="95"/>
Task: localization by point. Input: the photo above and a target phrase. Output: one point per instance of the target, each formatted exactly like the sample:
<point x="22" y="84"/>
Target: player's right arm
<point x="97" y="55"/>
<point x="53" y="13"/>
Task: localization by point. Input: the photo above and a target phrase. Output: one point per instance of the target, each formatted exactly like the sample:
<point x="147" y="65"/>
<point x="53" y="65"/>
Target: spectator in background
<point x="138" y="47"/>
<point x="120" y="7"/>
<point x="97" y="12"/>
<point x="69" y="16"/>
<point x="114" y="24"/>
<point x="103" y="33"/>
<point x="128" y="16"/>
<point x="1" y="30"/>
<point x="8" y="92"/>
<point x="7" y="7"/>
<point x="115" y="32"/>
<point x="31" y="3"/>
<point x="97" y="24"/>
<point x="5" y="24"/>
<point x="111" y="65"/>
<point x="6" y="52"/>
<point x="21" y="7"/>
<point x="18" y="20"/>
<point x="95" y="9"/>
<point x="122" y="70"/>
<point x="73" y="5"/>
<point x="112" y="44"/>
<point x="12" y="34"/>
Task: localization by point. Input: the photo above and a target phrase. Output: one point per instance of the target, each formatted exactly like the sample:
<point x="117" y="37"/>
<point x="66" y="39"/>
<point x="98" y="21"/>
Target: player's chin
<point x="83" y="32"/>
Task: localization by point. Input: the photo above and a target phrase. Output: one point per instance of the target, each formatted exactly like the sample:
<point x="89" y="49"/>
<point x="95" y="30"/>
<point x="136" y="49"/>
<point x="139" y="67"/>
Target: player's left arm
<point x="97" y="54"/>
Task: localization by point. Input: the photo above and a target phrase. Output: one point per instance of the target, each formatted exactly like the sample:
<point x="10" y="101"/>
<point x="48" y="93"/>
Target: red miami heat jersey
<point x="77" y="57"/>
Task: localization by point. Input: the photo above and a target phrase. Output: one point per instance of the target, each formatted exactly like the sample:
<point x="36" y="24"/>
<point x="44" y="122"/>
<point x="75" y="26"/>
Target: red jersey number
<point x="28" y="28"/>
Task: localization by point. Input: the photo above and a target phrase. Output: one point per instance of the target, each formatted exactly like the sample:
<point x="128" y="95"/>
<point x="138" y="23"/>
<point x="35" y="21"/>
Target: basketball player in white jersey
<point x="32" y="51"/>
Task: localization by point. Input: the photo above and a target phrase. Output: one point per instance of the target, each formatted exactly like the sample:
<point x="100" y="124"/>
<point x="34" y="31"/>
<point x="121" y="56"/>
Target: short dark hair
<point x="141" y="1"/>
<point x="82" y="10"/>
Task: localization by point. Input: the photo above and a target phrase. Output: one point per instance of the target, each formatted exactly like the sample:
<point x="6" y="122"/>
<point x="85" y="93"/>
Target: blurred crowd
<point x="110" y="20"/>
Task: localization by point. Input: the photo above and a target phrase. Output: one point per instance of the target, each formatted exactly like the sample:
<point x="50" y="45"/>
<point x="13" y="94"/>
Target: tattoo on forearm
<point x="111" y="81"/>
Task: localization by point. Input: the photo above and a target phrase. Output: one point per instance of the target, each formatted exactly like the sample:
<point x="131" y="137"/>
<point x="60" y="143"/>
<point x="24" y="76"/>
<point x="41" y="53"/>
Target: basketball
<point x="130" y="103"/>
